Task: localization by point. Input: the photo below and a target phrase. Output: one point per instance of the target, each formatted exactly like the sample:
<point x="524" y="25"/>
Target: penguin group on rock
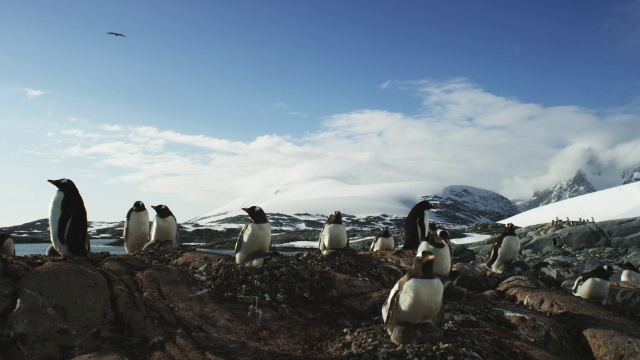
<point x="254" y="242"/>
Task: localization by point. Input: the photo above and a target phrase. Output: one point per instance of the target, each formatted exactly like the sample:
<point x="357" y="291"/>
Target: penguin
<point x="629" y="272"/>
<point x="594" y="284"/>
<point x="383" y="241"/>
<point x="505" y="250"/>
<point x="415" y="226"/>
<point x="51" y="252"/>
<point x="68" y="221"/>
<point x="254" y="242"/>
<point x="164" y="226"/>
<point x="415" y="298"/>
<point x="136" y="228"/>
<point x="333" y="237"/>
<point x="437" y="242"/>
<point x="7" y="246"/>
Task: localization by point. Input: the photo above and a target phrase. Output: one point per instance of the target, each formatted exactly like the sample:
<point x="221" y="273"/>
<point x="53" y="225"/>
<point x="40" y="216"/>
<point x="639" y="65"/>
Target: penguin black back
<point x="414" y="226"/>
<point x="72" y="224"/>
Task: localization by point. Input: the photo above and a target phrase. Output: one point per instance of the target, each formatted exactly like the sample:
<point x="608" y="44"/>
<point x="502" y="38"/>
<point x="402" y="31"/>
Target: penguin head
<point x="64" y="185"/>
<point x="443" y="236"/>
<point x="138" y="206"/>
<point x="256" y="214"/>
<point x="162" y="210"/>
<point x="335" y="218"/>
<point x="425" y="205"/>
<point x="510" y="229"/>
<point x="384" y="231"/>
<point x="4" y="237"/>
<point x="604" y="272"/>
<point x="428" y="260"/>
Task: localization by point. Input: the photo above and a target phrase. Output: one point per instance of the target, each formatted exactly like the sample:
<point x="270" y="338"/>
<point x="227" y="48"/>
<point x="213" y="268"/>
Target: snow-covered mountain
<point x="631" y="176"/>
<point x="578" y="185"/>
<point x="619" y="202"/>
<point x="307" y="205"/>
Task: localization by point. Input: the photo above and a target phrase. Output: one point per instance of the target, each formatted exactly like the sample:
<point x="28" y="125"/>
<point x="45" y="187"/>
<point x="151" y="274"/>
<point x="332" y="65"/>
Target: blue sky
<point x="206" y="99"/>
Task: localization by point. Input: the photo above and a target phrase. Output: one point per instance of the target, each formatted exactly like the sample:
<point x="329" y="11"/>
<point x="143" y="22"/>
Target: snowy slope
<point x="615" y="203"/>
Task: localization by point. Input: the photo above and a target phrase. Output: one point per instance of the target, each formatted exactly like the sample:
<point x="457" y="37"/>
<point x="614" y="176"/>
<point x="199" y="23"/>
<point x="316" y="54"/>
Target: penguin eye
<point x="258" y="208"/>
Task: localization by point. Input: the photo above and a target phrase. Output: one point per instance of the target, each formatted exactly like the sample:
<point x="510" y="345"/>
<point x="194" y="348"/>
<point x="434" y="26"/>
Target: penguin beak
<point x="246" y="210"/>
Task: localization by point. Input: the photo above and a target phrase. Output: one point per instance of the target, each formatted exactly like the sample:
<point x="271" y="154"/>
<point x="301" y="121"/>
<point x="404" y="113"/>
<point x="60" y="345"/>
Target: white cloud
<point x="464" y="136"/>
<point x="33" y="93"/>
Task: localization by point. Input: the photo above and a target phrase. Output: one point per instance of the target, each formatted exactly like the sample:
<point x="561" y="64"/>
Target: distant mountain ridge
<point x="387" y="205"/>
<point x="578" y="185"/>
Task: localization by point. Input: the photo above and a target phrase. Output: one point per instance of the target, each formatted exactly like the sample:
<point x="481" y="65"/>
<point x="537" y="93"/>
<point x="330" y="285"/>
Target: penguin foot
<point x="59" y="258"/>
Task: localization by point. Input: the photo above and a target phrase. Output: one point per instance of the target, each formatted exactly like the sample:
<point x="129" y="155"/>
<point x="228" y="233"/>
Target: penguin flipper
<point x="393" y="302"/>
<point x="320" y="242"/>
<point x="64" y="223"/>
<point x="494" y="255"/>
<point x="239" y="241"/>
<point x="577" y="284"/>
<point x="76" y="233"/>
<point x="373" y="244"/>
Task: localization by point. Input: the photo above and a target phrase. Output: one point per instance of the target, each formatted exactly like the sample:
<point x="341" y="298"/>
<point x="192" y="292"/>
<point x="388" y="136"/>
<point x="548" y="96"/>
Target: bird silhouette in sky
<point x="115" y="34"/>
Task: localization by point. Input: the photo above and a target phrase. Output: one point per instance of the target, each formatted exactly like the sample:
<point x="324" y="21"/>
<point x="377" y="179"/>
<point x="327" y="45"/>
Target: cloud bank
<point x="463" y="135"/>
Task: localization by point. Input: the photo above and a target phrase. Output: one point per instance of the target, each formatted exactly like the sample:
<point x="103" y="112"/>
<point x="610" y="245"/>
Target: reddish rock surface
<point x="184" y="304"/>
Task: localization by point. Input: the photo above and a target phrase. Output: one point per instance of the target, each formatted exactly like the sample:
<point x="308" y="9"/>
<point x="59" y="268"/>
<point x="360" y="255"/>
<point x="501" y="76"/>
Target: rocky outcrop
<point x="184" y="303"/>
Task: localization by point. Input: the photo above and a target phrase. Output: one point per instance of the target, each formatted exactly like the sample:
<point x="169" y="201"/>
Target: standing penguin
<point x="254" y="242"/>
<point x="333" y="237"/>
<point x="383" y="241"/>
<point x="68" y="221"/>
<point x="437" y="242"/>
<point x="7" y="246"/>
<point x="136" y="227"/>
<point x="505" y="250"/>
<point x="415" y="226"/>
<point x="629" y="272"/>
<point x="164" y="229"/>
<point x="594" y="284"/>
<point x="415" y="298"/>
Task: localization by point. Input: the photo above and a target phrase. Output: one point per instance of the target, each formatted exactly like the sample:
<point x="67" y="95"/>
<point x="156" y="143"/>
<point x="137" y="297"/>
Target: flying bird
<point x="115" y="34"/>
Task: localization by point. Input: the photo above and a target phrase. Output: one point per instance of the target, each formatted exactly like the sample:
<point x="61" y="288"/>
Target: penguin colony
<point x="414" y="308"/>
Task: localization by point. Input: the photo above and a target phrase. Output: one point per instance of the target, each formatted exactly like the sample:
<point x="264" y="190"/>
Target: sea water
<point x="97" y="245"/>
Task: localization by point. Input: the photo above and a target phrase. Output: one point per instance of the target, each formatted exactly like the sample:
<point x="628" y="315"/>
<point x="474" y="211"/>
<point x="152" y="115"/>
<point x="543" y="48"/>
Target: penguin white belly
<point x="334" y="236"/>
<point x="164" y="229"/>
<point x="507" y="252"/>
<point x="384" y="243"/>
<point x="55" y="212"/>
<point x="137" y="231"/>
<point x="630" y="275"/>
<point x="442" y="263"/>
<point x="256" y="238"/>
<point x="420" y="301"/>
<point x="594" y="288"/>
<point x="426" y="225"/>
<point x="8" y="248"/>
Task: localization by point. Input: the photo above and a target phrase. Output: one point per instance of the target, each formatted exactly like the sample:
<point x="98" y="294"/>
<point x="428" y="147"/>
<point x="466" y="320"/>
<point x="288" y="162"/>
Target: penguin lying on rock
<point x="333" y="237"/>
<point x="415" y="299"/>
<point x="629" y="272"/>
<point x="594" y="284"/>
<point x="383" y="241"/>
<point x="505" y="250"/>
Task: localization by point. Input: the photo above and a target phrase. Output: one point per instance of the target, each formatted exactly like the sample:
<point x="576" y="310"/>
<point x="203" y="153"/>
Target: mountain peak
<point x="578" y="185"/>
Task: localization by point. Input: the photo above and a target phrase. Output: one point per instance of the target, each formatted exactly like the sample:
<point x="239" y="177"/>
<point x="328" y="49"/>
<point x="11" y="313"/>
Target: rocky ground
<point x="184" y="304"/>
